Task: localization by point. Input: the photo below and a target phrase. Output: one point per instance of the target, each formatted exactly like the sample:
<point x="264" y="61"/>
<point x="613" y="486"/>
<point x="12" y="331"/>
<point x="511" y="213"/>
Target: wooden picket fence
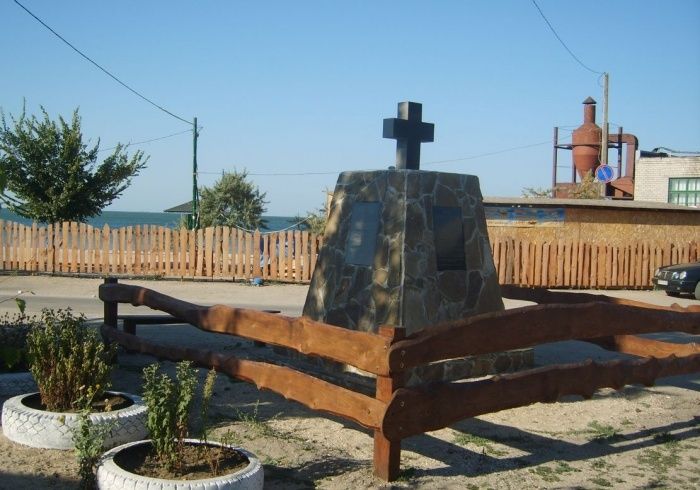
<point x="584" y="264"/>
<point x="290" y="256"/>
<point x="149" y="250"/>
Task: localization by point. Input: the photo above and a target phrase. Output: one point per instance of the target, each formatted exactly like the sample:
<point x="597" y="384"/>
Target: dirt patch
<point x="108" y="403"/>
<point x="636" y="438"/>
<point x="195" y="464"/>
<point x="640" y="437"/>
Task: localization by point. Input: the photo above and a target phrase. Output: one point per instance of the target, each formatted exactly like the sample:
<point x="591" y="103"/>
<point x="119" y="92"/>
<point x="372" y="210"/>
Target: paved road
<point x="81" y="295"/>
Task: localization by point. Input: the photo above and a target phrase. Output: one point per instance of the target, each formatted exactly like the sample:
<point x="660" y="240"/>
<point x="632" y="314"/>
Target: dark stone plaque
<point x="449" y="238"/>
<point x="362" y="235"/>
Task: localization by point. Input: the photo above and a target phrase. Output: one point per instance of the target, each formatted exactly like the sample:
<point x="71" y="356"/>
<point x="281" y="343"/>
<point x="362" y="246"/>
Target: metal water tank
<point x="586" y="141"/>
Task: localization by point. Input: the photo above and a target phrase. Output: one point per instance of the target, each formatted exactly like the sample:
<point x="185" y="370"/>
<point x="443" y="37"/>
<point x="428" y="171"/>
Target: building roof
<point x="585" y="203"/>
<point x="185" y="207"/>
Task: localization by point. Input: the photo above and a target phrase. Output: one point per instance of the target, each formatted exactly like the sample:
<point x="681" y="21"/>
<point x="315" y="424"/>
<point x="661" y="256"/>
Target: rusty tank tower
<point x="585" y="148"/>
<point x="586" y="141"/>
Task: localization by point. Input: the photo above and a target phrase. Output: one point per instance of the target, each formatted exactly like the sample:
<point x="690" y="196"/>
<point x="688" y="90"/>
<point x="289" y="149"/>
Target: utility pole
<point x="604" y="143"/>
<point x="194" y="221"/>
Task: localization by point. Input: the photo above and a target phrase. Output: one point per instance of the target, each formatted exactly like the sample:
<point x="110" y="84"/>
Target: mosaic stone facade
<point x="403" y="247"/>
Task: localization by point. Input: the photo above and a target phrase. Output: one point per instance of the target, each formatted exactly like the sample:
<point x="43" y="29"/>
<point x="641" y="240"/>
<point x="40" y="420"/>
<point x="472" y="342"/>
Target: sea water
<point x="118" y="219"/>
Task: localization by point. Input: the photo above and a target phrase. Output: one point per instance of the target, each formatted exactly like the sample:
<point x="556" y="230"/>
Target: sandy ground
<point x="636" y="438"/>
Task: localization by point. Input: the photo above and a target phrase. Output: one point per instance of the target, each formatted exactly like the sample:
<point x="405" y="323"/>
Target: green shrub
<point x="169" y="402"/>
<point x="67" y="359"/>
<point x="13" y="341"/>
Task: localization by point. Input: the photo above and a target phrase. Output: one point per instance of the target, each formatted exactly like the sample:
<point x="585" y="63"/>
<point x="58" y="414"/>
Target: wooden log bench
<point x="129" y="322"/>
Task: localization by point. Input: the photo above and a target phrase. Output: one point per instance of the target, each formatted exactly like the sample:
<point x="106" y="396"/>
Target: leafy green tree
<point x="232" y="201"/>
<point x="588" y="188"/>
<point x="314" y="221"/>
<point x="51" y="175"/>
<point x="535" y="192"/>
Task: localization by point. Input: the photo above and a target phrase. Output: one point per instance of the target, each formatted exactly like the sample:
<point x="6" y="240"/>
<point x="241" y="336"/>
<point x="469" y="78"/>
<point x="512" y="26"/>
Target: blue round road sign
<point x="604" y="173"/>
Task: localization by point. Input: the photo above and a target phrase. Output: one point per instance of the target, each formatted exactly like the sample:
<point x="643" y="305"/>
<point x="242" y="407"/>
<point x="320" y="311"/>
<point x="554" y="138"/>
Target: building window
<point x="685" y="191"/>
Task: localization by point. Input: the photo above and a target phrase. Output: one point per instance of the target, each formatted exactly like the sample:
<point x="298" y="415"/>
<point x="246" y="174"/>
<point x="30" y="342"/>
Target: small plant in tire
<point x="67" y="360"/>
<point x="169" y="404"/>
<point x="71" y="367"/>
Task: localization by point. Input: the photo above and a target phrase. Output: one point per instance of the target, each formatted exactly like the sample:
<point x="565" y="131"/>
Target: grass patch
<point x="600" y="481"/>
<point x="267" y="460"/>
<point x="661" y="459"/>
<point x="601" y="464"/>
<point x="304" y="444"/>
<point x="228" y="437"/>
<point x="602" y="433"/>
<point x="546" y="473"/>
<point x="465" y="439"/>
<point x="252" y="420"/>
<point x="550" y="474"/>
<point x="564" y="467"/>
<point x="664" y="438"/>
<point x="407" y="474"/>
<point x="596" y="432"/>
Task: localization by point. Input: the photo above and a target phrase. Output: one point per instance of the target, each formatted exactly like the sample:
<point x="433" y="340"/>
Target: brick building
<point x="668" y="178"/>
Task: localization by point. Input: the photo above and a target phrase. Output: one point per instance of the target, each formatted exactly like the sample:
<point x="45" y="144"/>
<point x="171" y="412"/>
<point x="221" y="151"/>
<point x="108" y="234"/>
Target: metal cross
<point x="409" y="131"/>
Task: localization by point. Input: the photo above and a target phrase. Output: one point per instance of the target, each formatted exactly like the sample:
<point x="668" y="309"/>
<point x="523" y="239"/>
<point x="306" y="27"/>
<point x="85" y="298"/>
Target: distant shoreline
<point x="118" y="219"/>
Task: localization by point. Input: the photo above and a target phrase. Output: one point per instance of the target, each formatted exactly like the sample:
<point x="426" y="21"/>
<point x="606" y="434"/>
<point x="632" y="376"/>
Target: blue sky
<point x="302" y="87"/>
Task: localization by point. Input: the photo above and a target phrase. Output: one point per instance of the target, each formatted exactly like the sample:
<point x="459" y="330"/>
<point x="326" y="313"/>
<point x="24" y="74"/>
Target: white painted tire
<point x="12" y="384"/>
<point x="54" y="430"/>
<point x="111" y="476"/>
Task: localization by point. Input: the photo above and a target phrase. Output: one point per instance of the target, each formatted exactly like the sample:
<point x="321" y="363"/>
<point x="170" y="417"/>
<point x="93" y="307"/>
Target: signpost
<point x="605" y="173"/>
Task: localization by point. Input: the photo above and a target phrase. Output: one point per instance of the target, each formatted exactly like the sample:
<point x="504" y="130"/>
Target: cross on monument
<point x="409" y="131"/>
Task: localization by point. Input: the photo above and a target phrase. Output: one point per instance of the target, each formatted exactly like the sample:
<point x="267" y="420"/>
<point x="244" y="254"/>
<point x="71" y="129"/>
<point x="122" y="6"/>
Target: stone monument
<point x="404" y="246"/>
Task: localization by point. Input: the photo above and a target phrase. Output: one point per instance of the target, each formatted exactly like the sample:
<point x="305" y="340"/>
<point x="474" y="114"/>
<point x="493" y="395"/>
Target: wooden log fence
<point x="290" y="256"/>
<point x="396" y="411"/>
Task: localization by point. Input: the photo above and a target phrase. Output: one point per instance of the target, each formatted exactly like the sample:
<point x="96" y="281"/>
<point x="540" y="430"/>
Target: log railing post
<point x="387" y="454"/>
<point x="111" y="307"/>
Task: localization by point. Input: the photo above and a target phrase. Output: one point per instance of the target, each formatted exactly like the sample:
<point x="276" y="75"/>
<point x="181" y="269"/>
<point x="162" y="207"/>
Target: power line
<point x="147" y="141"/>
<point x="562" y="41"/>
<point x="489" y="153"/>
<point x="103" y="69"/>
<point x="481" y="155"/>
<point x="277" y="174"/>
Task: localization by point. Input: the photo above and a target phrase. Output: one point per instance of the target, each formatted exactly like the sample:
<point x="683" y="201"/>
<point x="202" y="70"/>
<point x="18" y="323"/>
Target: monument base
<point x="407" y="248"/>
<point x="443" y="371"/>
<point x="472" y="367"/>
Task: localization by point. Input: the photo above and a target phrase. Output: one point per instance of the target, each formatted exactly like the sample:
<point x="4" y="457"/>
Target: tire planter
<point x="111" y="476"/>
<point x="54" y="430"/>
<point x="12" y="384"/>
